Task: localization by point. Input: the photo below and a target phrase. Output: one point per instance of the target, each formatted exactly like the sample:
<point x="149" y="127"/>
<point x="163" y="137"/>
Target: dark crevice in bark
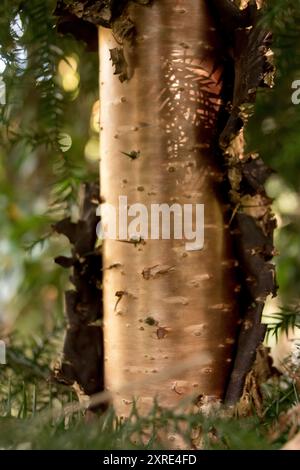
<point x="82" y="361"/>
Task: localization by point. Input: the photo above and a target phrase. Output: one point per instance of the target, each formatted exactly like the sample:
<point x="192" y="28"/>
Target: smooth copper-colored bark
<point x="166" y="112"/>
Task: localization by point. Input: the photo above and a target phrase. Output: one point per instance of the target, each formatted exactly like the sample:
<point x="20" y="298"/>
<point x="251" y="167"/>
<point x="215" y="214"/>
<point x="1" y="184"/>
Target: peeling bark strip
<point x="81" y="18"/>
<point x="243" y="59"/>
<point x="82" y="362"/>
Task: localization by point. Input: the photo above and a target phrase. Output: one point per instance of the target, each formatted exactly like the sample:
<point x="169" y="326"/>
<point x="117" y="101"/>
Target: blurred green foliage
<point x="274" y="131"/>
<point x="60" y="425"/>
<point x="45" y="126"/>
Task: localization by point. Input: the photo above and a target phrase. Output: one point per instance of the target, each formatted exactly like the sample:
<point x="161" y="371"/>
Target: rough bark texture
<point x="176" y="59"/>
<point x="82" y="361"/>
<point x="81" y="18"/>
<point x="249" y="62"/>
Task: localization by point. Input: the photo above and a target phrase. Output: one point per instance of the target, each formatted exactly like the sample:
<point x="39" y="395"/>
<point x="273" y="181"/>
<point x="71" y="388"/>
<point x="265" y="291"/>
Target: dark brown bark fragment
<point x="230" y="16"/>
<point x="81" y="18"/>
<point x="249" y="62"/>
<point x="82" y="361"/>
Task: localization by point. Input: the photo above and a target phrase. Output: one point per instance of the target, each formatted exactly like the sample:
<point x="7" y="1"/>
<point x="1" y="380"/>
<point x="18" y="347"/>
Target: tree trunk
<point x="181" y="322"/>
<point x="167" y="113"/>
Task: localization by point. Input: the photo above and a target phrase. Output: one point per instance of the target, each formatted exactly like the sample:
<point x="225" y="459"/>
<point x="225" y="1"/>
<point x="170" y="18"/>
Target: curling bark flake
<point x="176" y="81"/>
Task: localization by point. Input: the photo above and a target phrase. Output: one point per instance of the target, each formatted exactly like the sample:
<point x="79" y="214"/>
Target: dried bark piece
<point x="253" y="393"/>
<point x="82" y="361"/>
<point x="230" y="16"/>
<point x="253" y="68"/>
<point x="67" y="228"/>
<point x="254" y="174"/>
<point x="81" y="18"/>
<point x="119" y="62"/>
<point x="251" y="219"/>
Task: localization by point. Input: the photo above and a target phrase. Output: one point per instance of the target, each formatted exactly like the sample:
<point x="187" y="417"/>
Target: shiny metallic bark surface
<point x="164" y="305"/>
